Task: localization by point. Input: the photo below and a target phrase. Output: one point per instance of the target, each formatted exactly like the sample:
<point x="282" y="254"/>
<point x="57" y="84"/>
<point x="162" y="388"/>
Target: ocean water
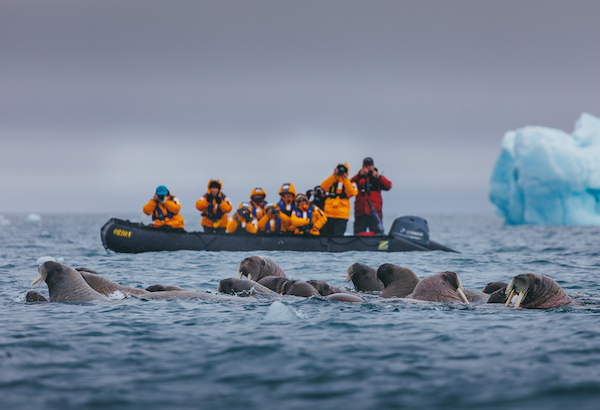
<point x="291" y="353"/>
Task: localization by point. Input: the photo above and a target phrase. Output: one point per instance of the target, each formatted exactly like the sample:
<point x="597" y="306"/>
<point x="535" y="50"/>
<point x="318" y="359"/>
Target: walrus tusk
<point x="250" y="276"/>
<point x="40" y="277"/>
<point x="462" y="294"/>
<point x="241" y="274"/>
<point x="347" y="278"/>
<point x="520" y="299"/>
<point x="512" y="293"/>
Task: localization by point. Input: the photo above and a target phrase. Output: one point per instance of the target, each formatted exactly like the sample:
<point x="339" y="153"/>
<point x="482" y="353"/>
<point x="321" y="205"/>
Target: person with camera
<point x="242" y="221"/>
<point x="214" y="206"/>
<point x="164" y="209"/>
<point x="316" y="196"/>
<point x="273" y="221"/>
<point x="370" y="183"/>
<point x="307" y="218"/>
<point x="339" y="190"/>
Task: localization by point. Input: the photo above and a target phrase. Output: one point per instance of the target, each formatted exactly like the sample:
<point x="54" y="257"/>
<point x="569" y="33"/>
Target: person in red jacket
<point x="370" y="183"/>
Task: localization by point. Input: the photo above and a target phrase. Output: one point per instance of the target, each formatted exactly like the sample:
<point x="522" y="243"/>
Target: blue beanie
<point x="162" y="190"/>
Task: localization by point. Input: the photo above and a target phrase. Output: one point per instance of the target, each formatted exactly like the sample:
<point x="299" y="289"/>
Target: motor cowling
<point x="412" y="228"/>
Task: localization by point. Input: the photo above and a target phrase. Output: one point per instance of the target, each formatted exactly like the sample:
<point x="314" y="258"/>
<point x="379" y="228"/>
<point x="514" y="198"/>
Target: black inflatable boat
<point x="408" y="233"/>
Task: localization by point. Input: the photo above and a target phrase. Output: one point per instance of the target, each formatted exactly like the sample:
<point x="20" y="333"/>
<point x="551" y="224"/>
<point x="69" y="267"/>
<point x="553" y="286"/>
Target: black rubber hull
<point x="129" y="237"/>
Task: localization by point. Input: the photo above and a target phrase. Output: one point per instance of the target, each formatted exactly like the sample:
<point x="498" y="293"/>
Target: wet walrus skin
<point x="257" y="267"/>
<point x="106" y="286"/>
<point x="441" y="287"/>
<point x="537" y="292"/>
<point x="242" y="287"/>
<point x="398" y="282"/>
<point x="497" y="292"/>
<point x="66" y="284"/>
<point x="285" y="286"/>
<point x="324" y="288"/>
<point x="35" y="297"/>
<point x="364" y="278"/>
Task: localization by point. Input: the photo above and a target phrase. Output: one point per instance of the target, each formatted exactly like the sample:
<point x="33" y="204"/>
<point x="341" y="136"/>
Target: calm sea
<point x="293" y="353"/>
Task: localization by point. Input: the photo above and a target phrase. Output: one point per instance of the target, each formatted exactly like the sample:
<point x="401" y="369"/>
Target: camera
<point x="341" y="168"/>
<point x="273" y="209"/>
<point x="161" y="198"/>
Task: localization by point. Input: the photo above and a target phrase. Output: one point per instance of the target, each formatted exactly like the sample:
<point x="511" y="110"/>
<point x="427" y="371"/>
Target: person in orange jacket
<point x="339" y="190"/>
<point x="286" y="204"/>
<point x="274" y="221"/>
<point x="242" y="221"/>
<point x="214" y="206"/>
<point x="164" y="209"/>
<point x="307" y="218"/>
<point x="257" y="203"/>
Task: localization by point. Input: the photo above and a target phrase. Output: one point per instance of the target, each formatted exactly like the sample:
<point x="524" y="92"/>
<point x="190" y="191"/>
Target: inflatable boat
<point x="407" y="234"/>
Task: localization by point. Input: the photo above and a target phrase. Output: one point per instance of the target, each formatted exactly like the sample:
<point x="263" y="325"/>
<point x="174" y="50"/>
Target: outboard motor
<point x="412" y="228"/>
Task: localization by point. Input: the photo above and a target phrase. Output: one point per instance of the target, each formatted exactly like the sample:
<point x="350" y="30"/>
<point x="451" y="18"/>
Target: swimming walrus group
<point x="261" y="275"/>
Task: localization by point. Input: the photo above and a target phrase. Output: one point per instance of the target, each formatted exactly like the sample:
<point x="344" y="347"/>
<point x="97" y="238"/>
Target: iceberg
<point x="545" y="176"/>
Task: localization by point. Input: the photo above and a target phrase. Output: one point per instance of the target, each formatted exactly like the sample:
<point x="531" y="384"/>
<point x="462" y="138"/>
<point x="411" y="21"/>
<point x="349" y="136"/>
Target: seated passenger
<point x="273" y="221"/>
<point x="257" y="203"/>
<point x="287" y="192"/>
<point x="214" y="206"/>
<point x="164" y="209"/>
<point x="242" y="221"/>
<point x="307" y="218"/>
<point x="316" y="196"/>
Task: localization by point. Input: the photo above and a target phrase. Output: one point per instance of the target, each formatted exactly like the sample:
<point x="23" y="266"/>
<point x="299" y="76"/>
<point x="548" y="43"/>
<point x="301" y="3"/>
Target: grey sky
<point x="101" y="101"/>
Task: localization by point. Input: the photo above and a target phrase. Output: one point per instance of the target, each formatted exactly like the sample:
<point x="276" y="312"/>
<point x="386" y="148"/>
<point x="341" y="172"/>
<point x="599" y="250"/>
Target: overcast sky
<point x="101" y="101"/>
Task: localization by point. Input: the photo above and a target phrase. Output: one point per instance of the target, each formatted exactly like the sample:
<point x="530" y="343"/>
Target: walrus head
<point x="536" y="292"/>
<point x="251" y="266"/>
<point x="441" y="287"/>
<point x="398" y="281"/>
<point x="54" y="268"/>
<point x="35" y="297"/>
<point x="364" y="278"/>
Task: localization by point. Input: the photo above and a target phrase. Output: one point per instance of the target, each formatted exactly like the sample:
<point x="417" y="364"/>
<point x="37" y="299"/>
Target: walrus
<point x="441" y="287"/>
<point x="285" y="286"/>
<point x="497" y="292"/>
<point x="35" y="297"/>
<point x="397" y="281"/>
<point x="243" y="287"/>
<point x="272" y="282"/>
<point x="324" y="288"/>
<point x="536" y="292"/>
<point x="66" y="284"/>
<point x="106" y="286"/>
<point x="258" y="267"/>
<point x="364" y="278"/>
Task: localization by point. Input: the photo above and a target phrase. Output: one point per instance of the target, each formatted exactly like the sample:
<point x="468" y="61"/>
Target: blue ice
<point x="545" y="176"/>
